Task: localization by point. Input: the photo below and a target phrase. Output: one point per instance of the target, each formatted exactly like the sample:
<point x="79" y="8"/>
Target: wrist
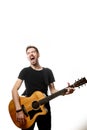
<point x="19" y="110"/>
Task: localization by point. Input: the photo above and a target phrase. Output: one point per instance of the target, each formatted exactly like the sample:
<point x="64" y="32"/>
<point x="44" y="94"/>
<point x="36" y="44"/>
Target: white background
<point x="59" y="29"/>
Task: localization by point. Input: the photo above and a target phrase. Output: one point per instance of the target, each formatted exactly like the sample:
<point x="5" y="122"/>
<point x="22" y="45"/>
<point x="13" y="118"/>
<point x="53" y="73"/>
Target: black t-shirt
<point x="36" y="79"/>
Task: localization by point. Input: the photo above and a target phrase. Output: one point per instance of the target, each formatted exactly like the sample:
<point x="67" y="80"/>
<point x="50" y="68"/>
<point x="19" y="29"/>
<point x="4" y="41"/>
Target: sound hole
<point x="35" y="104"/>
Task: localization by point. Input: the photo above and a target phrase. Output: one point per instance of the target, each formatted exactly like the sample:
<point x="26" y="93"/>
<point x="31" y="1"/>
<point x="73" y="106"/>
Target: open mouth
<point x="32" y="58"/>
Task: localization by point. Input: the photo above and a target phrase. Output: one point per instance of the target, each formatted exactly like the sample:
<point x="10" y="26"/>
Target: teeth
<point x="32" y="58"/>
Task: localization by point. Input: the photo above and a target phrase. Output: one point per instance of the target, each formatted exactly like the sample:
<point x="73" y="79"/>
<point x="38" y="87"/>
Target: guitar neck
<point x="63" y="91"/>
<point x="50" y="97"/>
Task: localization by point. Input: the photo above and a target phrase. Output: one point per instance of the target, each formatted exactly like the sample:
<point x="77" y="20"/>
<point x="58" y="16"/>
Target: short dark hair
<point x="28" y="47"/>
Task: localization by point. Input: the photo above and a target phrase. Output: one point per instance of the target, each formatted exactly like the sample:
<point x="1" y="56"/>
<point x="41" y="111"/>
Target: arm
<point x="15" y="94"/>
<point x="19" y="115"/>
<point x="52" y="88"/>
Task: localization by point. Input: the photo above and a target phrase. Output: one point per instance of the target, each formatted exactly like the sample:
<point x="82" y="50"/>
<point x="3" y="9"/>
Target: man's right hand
<point x="20" y="117"/>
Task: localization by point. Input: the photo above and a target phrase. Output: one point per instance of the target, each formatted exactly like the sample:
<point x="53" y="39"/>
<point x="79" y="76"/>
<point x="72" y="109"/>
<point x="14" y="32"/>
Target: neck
<point x="36" y="67"/>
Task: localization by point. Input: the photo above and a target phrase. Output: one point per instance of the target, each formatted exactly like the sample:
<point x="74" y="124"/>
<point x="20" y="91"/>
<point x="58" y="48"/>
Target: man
<point x="36" y="78"/>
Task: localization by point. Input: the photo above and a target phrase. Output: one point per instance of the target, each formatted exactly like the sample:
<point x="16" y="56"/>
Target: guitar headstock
<point x="80" y="82"/>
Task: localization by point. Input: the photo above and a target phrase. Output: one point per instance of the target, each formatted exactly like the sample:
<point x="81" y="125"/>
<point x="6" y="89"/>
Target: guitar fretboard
<point x="50" y="97"/>
<point x="62" y="92"/>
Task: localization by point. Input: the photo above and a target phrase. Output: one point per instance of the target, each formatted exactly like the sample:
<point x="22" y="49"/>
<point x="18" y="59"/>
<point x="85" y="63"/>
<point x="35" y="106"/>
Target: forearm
<point x="52" y="88"/>
<point x="16" y="100"/>
<point x="54" y="91"/>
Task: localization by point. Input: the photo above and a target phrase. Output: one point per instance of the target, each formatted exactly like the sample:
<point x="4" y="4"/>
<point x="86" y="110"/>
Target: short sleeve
<point x="51" y="76"/>
<point x="22" y="74"/>
<point x="48" y="76"/>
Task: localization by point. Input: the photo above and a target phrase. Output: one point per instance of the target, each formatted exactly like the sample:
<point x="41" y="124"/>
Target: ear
<point x="38" y="55"/>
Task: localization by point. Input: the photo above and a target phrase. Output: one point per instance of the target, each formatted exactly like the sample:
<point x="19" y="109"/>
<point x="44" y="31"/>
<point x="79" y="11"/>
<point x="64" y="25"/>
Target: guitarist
<point x="35" y="78"/>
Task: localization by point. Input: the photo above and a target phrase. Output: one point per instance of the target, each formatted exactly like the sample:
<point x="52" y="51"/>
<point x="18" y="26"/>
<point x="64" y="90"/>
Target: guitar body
<point x="31" y="111"/>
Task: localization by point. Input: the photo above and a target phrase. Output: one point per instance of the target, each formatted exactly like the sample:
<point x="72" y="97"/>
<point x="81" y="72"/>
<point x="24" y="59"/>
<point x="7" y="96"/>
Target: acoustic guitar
<point x="34" y="105"/>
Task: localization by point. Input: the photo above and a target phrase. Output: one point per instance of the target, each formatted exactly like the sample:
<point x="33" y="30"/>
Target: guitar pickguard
<point x="34" y="112"/>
